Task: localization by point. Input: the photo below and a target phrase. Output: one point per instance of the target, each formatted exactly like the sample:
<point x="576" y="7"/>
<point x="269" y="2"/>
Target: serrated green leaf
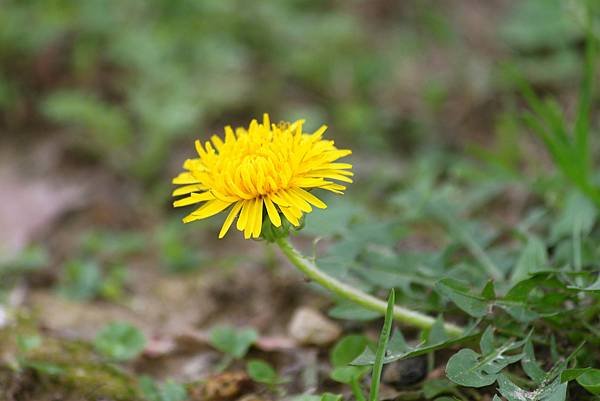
<point x="466" y="369"/>
<point x="460" y="294"/>
<point x="551" y="391"/>
<point x="594" y="287"/>
<point x="533" y="258"/>
<point x="486" y="343"/>
<point x="471" y="369"/>
<point x="516" y="304"/>
<point x="437" y="334"/>
<point x="397" y="344"/>
<point x="489" y="292"/>
<point x="578" y="212"/>
<point x="530" y="365"/>
<point x="400" y="352"/>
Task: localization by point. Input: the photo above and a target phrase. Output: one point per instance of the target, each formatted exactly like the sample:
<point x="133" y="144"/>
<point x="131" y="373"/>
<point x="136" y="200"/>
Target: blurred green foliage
<point x="125" y="81"/>
<point x="128" y="78"/>
<point x="170" y="390"/>
<point x="120" y="341"/>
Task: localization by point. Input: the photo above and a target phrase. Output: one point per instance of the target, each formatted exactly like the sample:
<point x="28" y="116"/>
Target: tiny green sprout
<point x="169" y="390"/>
<point x="262" y="372"/>
<point x="231" y="341"/>
<point x="120" y="341"/>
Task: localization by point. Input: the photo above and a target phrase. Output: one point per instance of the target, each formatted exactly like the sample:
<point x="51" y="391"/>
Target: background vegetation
<point x="472" y="128"/>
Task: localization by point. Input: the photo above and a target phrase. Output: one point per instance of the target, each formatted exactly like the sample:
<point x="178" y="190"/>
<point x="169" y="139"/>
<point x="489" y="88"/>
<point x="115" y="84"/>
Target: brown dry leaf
<point x="223" y="386"/>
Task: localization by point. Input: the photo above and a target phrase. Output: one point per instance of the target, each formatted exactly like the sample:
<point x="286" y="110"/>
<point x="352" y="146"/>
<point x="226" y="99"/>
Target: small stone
<point x="405" y="372"/>
<point x="310" y="327"/>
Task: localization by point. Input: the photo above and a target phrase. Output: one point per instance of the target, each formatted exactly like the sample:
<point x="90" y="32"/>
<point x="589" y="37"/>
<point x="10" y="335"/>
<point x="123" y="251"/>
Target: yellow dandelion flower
<point x="264" y="170"/>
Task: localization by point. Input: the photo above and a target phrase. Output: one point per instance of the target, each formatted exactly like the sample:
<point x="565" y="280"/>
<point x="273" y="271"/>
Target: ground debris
<point x="223" y="386"/>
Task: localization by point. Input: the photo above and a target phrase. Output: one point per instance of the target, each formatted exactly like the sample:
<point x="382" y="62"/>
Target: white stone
<point x="310" y="327"/>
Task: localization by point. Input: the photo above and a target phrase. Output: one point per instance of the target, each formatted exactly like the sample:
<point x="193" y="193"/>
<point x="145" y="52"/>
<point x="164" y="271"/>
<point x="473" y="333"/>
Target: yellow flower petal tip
<point x="265" y="171"/>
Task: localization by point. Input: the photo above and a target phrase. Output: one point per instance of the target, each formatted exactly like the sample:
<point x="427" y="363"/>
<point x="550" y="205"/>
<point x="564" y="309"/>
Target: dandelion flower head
<point x="263" y="170"/>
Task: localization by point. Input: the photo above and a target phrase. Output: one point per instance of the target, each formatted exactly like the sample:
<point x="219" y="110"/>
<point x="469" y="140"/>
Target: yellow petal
<point x="272" y="212"/>
<point x="287" y="212"/>
<point x="319" y="133"/>
<point x="218" y="142"/>
<point x="279" y="200"/>
<point x="258" y="209"/>
<point x="251" y="216"/>
<point x="187" y="189"/>
<point x="193" y="198"/>
<point x="230" y="217"/>
<point x="229" y="135"/>
<point x="210" y="208"/>
<point x="332" y="176"/>
<point x="242" y="221"/>
<point x="223" y="197"/>
<point x="296" y="201"/>
<point x="307" y="196"/>
<point x="185" y="178"/>
<point x="338" y="166"/>
<point x="309" y="182"/>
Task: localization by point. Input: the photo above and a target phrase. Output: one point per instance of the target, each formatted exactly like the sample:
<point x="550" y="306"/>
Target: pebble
<point x="405" y="372"/>
<point x="309" y="327"/>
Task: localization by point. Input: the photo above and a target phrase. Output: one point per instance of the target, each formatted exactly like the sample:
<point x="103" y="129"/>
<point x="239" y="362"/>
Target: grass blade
<point x="585" y="95"/>
<point x="384" y="337"/>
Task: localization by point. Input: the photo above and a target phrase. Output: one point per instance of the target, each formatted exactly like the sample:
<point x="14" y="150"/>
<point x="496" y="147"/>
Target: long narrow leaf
<point x="585" y="94"/>
<point x="382" y="347"/>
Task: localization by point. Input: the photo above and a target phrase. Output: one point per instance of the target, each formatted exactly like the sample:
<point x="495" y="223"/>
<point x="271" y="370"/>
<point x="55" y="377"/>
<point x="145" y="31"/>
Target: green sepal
<point x="270" y="233"/>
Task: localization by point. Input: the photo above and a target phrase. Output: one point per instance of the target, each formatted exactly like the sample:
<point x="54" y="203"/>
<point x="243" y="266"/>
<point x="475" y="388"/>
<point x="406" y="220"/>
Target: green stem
<point x="402" y="315"/>
<point x="357" y="391"/>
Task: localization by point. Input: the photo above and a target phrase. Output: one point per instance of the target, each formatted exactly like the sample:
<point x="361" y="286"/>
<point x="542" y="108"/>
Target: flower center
<point x="257" y="174"/>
